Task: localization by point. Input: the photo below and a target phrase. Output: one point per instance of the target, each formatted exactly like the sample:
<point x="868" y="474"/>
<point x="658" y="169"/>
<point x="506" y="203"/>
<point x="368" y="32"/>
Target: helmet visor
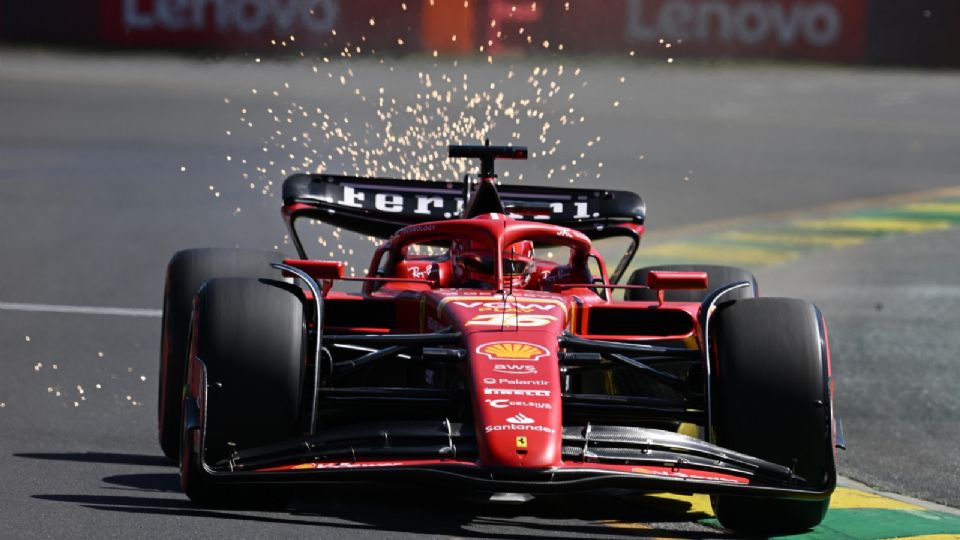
<point x="514" y="267"/>
<point x="483" y="264"/>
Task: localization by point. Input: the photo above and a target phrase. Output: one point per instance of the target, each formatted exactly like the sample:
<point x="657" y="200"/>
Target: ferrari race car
<point x="465" y="358"/>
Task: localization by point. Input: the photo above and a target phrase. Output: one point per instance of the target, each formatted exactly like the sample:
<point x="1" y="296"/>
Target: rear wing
<point x="380" y="206"/>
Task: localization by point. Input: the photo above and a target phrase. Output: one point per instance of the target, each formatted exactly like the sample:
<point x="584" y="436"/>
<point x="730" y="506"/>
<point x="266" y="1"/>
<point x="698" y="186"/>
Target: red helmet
<point x="473" y="264"/>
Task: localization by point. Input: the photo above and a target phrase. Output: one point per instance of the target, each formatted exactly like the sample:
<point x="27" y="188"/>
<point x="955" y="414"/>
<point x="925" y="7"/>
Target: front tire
<point x="251" y="336"/>
<point x="186" y="272"/>
<point x="771" y="400"/>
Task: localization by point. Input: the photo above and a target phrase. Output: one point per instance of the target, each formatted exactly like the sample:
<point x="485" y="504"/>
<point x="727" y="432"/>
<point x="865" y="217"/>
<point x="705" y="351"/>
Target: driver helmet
<point x="473" y="264"/>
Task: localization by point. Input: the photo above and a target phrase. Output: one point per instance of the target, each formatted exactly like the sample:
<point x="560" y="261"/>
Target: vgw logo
<point x="506" y="306"/>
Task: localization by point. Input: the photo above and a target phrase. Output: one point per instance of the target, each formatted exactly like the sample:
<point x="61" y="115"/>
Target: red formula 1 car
<point x="467" y="359"/>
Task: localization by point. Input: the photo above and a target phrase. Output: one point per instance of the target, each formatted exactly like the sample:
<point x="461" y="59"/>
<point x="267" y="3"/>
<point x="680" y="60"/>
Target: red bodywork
<point x="513" y="363"/>
<point x="510" y="337"/>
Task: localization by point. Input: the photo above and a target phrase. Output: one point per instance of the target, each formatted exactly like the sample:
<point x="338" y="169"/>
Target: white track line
<point x="81" y="310"/>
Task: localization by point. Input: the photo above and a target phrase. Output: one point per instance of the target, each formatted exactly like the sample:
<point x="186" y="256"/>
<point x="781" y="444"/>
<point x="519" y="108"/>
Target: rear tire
<point x="771" y="400"/>
<point x="187" y="271"/>
<point x="717" y="276"/>
<point x="251" y="336"/>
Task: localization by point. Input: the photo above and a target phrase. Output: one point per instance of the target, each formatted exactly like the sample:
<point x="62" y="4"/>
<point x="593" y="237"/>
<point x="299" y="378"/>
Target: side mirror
<point x="664" y="280"/>
<point x="319" y="269"/>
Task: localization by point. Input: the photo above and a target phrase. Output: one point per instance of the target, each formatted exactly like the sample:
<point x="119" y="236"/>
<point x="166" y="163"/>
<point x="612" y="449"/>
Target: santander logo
<point x="520" y="418"/>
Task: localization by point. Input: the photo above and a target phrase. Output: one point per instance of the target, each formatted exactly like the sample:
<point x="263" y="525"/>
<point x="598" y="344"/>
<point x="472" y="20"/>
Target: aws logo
<point x="515" y="369"/>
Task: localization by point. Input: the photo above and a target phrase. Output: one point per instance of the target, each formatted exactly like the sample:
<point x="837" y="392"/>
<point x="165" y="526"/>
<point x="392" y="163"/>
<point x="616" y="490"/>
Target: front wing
<point x="594" y="457"/>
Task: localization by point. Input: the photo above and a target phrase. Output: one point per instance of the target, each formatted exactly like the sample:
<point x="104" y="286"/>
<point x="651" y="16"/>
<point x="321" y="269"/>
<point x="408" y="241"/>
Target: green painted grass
<point x="875" y="523"/>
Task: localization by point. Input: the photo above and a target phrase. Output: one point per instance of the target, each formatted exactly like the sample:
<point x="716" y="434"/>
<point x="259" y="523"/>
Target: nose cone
<point x="517" y="401"/>
<point x="511" y="343"/>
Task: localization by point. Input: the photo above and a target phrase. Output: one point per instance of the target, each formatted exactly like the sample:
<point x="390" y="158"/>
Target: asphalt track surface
<point x="109" y="165"/>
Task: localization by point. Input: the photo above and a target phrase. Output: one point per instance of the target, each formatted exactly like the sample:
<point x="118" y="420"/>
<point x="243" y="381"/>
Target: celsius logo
<point x="520" y="418"/>
<point x="504" y="403"/>
<point x="512" y="350"/>
<point x="515" y="369"/>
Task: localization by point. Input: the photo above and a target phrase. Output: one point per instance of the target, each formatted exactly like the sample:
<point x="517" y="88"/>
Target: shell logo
<point x="512" y="350"/>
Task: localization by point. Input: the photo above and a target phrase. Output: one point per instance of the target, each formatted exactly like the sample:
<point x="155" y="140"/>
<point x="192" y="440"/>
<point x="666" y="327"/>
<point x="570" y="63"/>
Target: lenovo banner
<point x="806" y="29"/>
<point x="828" y="29"/>
<point x="910" y="32"/>
<point x="259" y="24"/>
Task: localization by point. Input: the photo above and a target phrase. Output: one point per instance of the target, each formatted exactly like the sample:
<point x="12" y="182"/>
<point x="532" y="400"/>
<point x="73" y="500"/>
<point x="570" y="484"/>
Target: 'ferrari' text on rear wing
<point x="380" y="206"/>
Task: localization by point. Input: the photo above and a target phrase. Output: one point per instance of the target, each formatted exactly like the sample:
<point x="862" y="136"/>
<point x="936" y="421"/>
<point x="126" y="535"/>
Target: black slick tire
<point x="771" y="400"/>
<point x="251" y="336"/>
<point x="186" y="272"/>
<point x="717" y="276"/>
